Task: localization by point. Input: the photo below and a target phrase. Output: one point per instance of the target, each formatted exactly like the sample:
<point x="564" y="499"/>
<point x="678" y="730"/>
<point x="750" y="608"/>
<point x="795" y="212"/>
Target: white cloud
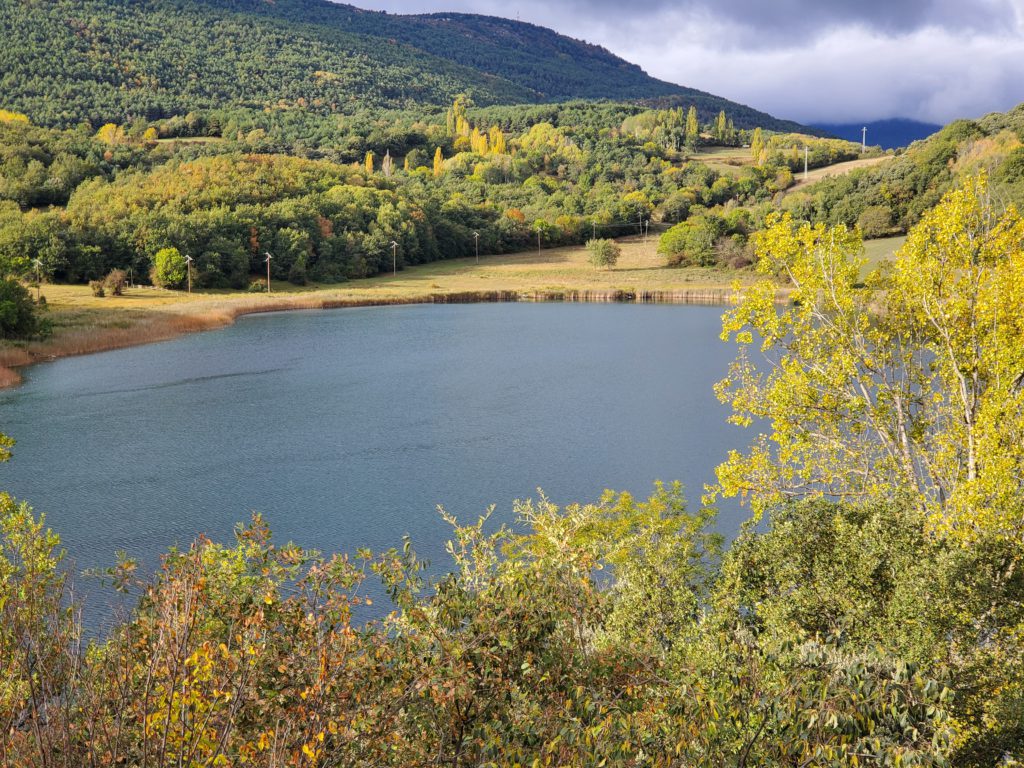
<point x="852" y="74"/>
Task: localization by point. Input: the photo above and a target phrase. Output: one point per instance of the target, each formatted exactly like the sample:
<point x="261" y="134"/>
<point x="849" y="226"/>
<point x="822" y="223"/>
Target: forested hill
<point x="67" y="61"/>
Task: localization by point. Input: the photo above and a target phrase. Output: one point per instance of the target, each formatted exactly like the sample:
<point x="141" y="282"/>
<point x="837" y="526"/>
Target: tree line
<point x="86" y="203"/>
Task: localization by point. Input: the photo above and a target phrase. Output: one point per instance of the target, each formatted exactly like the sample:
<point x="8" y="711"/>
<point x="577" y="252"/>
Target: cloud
<point x="808" y="60"/>
<point x="854" y="74"/>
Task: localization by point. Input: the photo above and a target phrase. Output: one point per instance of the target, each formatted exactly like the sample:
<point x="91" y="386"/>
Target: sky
<point x="805" y="60"/>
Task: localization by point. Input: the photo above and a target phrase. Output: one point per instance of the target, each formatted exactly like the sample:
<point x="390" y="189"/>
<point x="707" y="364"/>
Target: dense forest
<point x="102" y="61"/>
<point x="85" y="203"/>
<point x="328" y="196"/>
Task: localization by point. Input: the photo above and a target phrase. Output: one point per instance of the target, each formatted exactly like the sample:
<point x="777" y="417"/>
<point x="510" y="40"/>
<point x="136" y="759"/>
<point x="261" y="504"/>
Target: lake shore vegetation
<point x="873" y="617"/>
<point x="167" y="167"/>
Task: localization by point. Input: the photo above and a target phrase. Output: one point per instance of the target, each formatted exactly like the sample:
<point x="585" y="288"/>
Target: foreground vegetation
<point x="874" y="617"/>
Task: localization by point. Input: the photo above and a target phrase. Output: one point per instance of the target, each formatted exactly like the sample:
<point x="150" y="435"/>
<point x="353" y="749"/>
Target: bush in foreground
<point x="523" y="653"/>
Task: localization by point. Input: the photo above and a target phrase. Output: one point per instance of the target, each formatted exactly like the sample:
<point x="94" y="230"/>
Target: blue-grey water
<point x="347" y="428"/>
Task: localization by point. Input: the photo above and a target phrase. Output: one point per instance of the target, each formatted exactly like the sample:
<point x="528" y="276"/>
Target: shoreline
<point x="219" y="313"/>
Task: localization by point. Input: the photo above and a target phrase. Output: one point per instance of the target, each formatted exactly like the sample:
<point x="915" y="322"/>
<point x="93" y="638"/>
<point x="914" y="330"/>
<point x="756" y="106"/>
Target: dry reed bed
<point x="154" y="326"/>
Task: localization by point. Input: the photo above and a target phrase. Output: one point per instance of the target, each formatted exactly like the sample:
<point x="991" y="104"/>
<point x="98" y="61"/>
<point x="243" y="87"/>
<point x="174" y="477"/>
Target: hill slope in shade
<point x="887" y="134"/>
<point x="67" y="61"/>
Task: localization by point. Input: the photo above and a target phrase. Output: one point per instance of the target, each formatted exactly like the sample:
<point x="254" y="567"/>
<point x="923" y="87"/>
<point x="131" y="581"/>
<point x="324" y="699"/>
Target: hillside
<point x="102" y="61"/>
<point x="891" y="198"/>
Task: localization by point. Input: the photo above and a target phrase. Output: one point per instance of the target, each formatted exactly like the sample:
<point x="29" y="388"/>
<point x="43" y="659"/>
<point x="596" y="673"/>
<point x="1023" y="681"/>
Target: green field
<point x="881" y="249"/>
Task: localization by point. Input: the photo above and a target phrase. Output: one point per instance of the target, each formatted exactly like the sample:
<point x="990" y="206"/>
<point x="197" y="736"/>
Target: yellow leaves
<point x="6" y="116"/>
<point x="311" y="753"/>
<point x="907" y="384"/>
<point x="111" y="133"/>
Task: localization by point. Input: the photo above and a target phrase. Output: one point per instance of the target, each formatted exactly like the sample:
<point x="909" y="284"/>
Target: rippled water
<point x="348" y="427"/>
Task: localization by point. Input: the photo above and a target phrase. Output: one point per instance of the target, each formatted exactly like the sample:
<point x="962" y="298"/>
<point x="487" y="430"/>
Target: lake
<point x="347" y="428"/>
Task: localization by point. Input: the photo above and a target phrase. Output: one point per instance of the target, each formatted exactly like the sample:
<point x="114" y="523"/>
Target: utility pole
<point x="39" y="278"/>
<point x="188" y="269"/>
<point x="864" y="138"/>
<point x="538" y="237"/>
<point x="394" y="258"/>
<point x="476" y="237"/>
<point x="593" y="226"/>
<point x="269" y="257"/>
<point x="805" y="162"/>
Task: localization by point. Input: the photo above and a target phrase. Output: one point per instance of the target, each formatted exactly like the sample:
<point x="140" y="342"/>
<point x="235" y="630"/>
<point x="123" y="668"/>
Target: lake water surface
<point x="347" y="428"/>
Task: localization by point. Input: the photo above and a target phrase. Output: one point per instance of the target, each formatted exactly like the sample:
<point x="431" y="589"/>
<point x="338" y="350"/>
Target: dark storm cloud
<point x="887" y="16"/>
<point x="809" y="60"/>
<point x="769" y="16"/>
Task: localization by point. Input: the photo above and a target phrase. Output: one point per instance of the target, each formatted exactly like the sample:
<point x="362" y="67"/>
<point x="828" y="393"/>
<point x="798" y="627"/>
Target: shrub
<point x="258" y="286"/>
<point x="875" y="221"/>
<point x="297" y="273"/>
<point x="116" y="281"/>
<point x="169" y="268"/>
<point x="604" y="253"/>
<point x="17" y="311"/>
<point x="97" y="288"/>
<point x="733" y="252"/>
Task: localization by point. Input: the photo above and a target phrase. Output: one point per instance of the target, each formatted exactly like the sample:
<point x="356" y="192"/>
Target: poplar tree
<point x="721" y="126"/>
<point x="497" y="142"/>
<point x="907" y="383"/>
<point x="438" y="163"/>
<point x="757" y="145"/>
<point x="478" y="142"/>
<point x="692" y="127"/>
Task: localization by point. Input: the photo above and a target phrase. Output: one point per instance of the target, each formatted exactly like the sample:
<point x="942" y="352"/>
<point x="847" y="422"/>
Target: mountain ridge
<point x="892" y="133"/>
<point x="109" y="61"/>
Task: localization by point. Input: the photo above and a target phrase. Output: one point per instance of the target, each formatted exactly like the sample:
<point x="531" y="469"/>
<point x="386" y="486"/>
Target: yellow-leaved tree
<point x="908" y="384"/>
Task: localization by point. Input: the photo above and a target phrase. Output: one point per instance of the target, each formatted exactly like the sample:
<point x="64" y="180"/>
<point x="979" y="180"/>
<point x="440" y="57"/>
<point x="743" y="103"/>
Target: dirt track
<point x="836" y="170"/>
